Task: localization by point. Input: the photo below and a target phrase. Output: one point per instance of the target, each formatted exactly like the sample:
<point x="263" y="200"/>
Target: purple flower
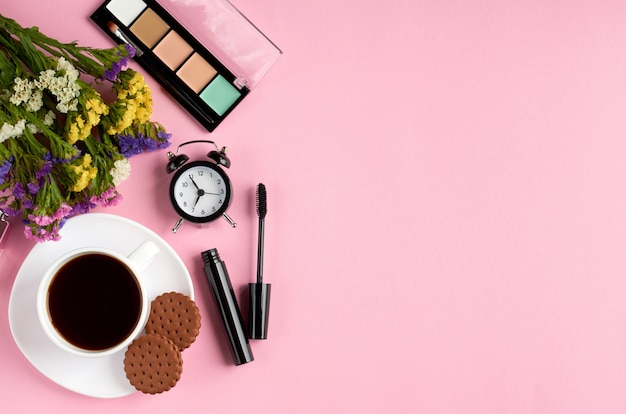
<point x="116" y="68"/>
<point x="18" y="191"/>
<point x="126" y="142"/>
<point x="130" y="49"/>
<point x="5" y="167"/>
<point x="11" y="212"/>
<point x="147" y="143"/>
<point x="48" y="157"/>
<point x="166" y="139"/>
<point x="129" y="145"/>
<point x="112" y="73"/>
<point x="33" y="188"/>
<point x="80" y="208"/>
<point x="45" y="169"/>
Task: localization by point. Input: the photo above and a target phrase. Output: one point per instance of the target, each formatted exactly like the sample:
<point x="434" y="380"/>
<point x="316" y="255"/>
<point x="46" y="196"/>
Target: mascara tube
<point x="217" y="275"/>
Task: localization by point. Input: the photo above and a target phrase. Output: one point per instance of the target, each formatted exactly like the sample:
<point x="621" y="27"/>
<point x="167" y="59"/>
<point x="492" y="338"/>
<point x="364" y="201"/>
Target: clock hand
<point x="201" y="192"/>
<point x="193" y="182"/>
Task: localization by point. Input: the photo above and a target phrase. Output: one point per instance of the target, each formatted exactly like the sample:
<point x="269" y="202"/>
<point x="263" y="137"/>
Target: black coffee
<point x="94" y="301"/>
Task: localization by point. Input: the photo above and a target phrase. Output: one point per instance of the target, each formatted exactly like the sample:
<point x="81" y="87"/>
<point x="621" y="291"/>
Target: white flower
<point x="48" y="120"/>
<point x="35" y="102"/>
<point x="22" y="89"/>
<point x="19" y="127"/>
<point x="73" y="105"/>
<point x="72" y="75"/>
<point x="62" y="84"/>
<point x="63" y="108"/>
<point x="6" y="132"/>
<point x="69" y="69"/>
<point x="34" y="129"/>
<point x="45" y="78"/>
<point x="57" y="84"/>
<point x="120" y="171"/>
<point x="65" y="95"/>
<point x="12" y="131"/>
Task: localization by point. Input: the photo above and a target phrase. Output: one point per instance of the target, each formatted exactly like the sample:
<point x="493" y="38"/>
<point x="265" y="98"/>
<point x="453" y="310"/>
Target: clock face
<point x="200" y="191"/>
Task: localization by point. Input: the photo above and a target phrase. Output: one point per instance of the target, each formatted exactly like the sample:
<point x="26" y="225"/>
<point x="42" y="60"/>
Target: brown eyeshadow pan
<point x="149" y="28"/>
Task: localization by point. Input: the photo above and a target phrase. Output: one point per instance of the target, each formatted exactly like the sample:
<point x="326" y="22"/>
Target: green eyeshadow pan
<point x="220" y="95"/>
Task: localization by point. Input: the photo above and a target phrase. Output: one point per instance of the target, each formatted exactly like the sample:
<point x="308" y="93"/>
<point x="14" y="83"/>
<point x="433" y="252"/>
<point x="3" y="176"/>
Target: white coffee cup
<point x="92" y="301"/>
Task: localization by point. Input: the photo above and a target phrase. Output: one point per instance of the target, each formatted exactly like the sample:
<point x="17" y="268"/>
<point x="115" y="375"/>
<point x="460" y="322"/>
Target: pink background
<point x="447" y="213"/>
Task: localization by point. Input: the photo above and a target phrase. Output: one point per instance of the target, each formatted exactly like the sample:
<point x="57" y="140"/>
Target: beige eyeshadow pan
<point x="196" y="72"/>
<point x="149" y="28"/>
<point x="173" y="50"/>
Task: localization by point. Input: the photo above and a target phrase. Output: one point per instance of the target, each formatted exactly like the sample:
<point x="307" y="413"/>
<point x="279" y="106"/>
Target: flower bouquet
<point x="70" y="117"/>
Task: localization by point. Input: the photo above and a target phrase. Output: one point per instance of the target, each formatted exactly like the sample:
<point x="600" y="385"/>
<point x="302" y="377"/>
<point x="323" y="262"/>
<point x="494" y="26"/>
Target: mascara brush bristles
<point x="261" y="201"/>
<point x="261" y="210"/>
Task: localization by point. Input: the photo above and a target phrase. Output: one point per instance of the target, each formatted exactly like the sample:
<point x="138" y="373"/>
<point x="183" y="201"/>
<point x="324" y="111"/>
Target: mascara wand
<point x="259" y="292"/>
<point x="261" y="211"/>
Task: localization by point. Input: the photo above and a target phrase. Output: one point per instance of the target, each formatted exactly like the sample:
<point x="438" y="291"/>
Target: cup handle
<point x="143" y="254"/>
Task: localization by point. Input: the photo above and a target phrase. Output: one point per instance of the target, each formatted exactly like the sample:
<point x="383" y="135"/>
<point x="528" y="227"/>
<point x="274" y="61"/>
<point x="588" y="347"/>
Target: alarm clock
<point x="200" y="191"/>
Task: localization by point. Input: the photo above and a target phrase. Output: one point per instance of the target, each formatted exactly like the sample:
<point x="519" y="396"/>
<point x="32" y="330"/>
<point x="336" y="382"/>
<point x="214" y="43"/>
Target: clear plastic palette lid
<point x="228" y="35"/>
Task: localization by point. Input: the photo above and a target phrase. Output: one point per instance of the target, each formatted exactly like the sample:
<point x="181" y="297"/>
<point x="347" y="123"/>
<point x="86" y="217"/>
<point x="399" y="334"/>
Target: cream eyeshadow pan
<point x="173" y="50"/>
<point x="168" y="44"/>
<point x="196" y="72"/>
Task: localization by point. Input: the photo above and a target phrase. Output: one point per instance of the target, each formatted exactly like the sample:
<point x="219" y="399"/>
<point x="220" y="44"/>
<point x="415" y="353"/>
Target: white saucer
<point x="96" y="377"/>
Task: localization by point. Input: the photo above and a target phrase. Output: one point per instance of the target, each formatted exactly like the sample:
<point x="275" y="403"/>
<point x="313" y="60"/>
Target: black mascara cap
<point x="259" y="310"/>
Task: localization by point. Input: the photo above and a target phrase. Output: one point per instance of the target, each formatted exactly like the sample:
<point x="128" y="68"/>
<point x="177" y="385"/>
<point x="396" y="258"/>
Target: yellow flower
<point x="97" y="105"/>
<point x="86" y="160"/>
<point x="73" y="134"/>
<point x="79" y="125"/>
<point x="75" y="129"/>
<point x="133" y="105"/>
<point x="143" y="114"/>
<point x="123" y="115"/>
<point x="85" y="172"/>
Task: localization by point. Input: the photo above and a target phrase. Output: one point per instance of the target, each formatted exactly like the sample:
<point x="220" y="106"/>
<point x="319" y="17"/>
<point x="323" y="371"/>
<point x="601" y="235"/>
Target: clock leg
<point x="230" y="220"/>
<point x="178" y="223"/>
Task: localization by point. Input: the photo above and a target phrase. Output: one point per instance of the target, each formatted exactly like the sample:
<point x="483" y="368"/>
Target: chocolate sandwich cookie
<point x="153" y="364"/>
<point x="176" y="317"/>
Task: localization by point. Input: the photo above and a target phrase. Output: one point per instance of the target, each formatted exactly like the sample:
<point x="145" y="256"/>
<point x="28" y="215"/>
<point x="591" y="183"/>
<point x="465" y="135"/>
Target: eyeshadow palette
<point x="208" y="64"/>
